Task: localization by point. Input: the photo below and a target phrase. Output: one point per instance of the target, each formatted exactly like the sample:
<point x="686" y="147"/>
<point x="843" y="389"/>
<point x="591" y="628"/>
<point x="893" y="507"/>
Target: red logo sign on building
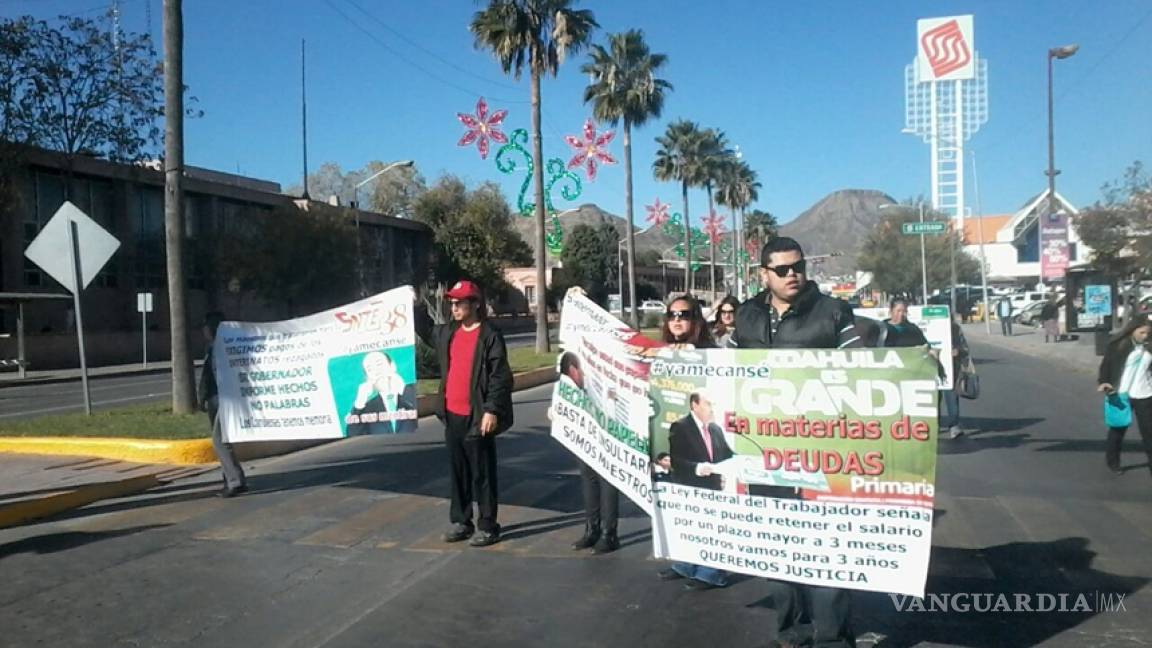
<point x="945" y="48"/>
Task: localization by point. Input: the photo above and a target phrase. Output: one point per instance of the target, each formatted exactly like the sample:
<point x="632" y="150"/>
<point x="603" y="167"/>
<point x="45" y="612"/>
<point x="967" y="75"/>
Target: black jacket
<point x="906" y="335"/>
<point x="491" y="373"/>
<point x="1112" y="365"/>
<point x="686" y="446"/>
<point x="206" y="390"/>
<point x="815" y="321"/>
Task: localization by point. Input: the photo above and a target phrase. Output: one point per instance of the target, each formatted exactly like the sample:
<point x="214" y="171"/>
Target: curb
<point x="93" y="374"/>
<point x="199" y="451"/>
<point x="24" y="511"/>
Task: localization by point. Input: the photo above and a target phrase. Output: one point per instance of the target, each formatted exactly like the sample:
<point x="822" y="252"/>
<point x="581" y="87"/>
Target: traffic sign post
<point x="72" y="249"/>
<point x="144" y="306"/>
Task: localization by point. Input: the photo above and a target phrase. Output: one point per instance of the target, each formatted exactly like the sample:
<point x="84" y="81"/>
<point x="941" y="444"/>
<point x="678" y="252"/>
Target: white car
<point x="651" y="306"/>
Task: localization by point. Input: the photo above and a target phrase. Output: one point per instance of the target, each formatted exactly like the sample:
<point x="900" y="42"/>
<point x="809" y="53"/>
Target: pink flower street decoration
<point x="657" y="213"/>
<point x="714" y="227"/>
<point x="590" y="150"/>
<point x="482" y="127"/>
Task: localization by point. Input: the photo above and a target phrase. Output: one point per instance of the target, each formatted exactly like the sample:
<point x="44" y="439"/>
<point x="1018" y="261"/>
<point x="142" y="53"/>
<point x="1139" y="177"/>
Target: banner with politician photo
<point x="600" y="405"/>
<point x="347" y="371"/>
<point x="813" y="466"/>
<point x="935" y="322"/>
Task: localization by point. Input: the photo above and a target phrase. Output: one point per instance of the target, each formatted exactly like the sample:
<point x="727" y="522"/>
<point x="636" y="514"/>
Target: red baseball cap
<point x="463" y="290"/>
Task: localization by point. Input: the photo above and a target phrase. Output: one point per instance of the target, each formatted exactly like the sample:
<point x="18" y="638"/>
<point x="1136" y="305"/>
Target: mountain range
<point x="839" y="223"/>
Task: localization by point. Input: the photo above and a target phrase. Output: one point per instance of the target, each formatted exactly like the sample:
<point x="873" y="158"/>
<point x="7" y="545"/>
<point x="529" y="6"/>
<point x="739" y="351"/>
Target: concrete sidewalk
<point x="1078" y="354"/>
<point x="37" y="486"/>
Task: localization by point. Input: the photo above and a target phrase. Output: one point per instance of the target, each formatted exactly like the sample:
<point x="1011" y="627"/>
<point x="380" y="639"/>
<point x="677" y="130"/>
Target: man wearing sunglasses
<point x="793" y="314"/>
<point x="475" y="403"/>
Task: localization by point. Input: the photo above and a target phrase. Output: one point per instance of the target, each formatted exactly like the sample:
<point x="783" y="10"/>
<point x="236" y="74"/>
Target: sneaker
<point x="459" y="533"/>
<point x="485" y="538"/>
<point x="955" y="432"/>
<point x="232" y="491"/>
<point x="669" y="574"/>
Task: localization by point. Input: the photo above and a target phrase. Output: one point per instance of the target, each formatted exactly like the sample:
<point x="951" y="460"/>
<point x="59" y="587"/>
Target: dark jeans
<point x="1142" y="412"/>
<point x="1006" y="325"/>
<point x="473" y="462"/>
<point x="813" y="616"/>
<point x="233" y="471"/>
<point x="601" y="500"/>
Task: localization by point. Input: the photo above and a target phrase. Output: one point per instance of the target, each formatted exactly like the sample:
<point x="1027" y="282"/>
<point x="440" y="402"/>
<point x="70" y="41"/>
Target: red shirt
<point x="458" y="386"/>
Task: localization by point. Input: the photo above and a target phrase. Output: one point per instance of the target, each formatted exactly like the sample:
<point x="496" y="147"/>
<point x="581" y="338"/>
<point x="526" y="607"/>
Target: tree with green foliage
<point x="472" y="233"/>
<point x="304" y="260"/>
<point x="589" y="259"/>
<point x="78" y="87"/>
<point x="393" y="193"/>
<point x="681" y="158"/>
<point x="893" y="258"/>
<point x="537" y="35"/>
<point x="1119" y="228"/>
<point x="624" y="87"/>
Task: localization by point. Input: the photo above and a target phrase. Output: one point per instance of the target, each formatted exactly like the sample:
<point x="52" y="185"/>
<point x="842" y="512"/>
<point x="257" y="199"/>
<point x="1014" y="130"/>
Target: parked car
<point x="651" y="306"/>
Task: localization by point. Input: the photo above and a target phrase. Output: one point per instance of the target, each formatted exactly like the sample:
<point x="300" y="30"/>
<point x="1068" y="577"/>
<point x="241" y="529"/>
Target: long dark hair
<point x="1137" y="320"/>
<point x="718" y="327"/>
<point x="698" y="336"/>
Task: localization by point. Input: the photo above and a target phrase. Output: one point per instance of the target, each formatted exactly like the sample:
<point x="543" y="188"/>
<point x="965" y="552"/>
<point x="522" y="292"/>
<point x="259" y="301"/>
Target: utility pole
<point x="183" y="396"/>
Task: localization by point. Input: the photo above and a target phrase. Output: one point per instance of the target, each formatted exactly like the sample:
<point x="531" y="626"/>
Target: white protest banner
<point x="343" y="372"/>
<point x="600" y="406"/>
<point x="936" y="323"/>
<point x="811" y="466"/>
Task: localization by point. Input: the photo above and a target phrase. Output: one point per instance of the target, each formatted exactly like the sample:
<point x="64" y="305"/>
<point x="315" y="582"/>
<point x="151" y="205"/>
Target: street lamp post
<point x="356" y="209"/>
<point x="1054" y="53"/>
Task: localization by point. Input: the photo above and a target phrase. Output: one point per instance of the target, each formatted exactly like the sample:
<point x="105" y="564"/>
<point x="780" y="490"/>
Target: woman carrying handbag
<point x="1126" y="380"/>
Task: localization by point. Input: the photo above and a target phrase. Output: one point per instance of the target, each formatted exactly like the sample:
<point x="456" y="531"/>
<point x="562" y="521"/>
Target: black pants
<point x="601" y="500"/>
<point x="1006" y="325"/>
<point x="473" y="462"/>
<point x="813" y="616"/>
<point x="1142" y="412"/>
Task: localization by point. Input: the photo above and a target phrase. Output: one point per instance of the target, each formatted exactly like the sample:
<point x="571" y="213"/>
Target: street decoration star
<point x="590" y="150"/>
<point x="482" y="127"/>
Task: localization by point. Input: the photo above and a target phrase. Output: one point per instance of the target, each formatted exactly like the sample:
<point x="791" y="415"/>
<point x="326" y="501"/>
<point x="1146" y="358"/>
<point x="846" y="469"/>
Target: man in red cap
<point x="475" y="403"/>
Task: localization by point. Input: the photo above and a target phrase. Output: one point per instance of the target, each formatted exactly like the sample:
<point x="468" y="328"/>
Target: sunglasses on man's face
<point x="782" y="270"/>
<point x="678" y="315"/>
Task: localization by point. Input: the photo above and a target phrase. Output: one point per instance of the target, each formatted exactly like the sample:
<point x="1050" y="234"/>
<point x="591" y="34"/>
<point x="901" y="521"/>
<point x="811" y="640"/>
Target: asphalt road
<point x="111" y="392"/>
<point x="339" y="546"/>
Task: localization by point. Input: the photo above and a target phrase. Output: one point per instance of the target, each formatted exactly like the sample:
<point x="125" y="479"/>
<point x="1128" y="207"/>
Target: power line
<point x="429" y="52"/>
<point x="402" y="57"/>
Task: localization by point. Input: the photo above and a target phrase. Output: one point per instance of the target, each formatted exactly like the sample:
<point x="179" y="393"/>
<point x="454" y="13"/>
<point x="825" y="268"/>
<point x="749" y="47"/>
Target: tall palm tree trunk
<point x="712" y="265"/>
<point x="631" y="245"/>
<point x="687" y="240"/>
<point x="542" y="342"/>
<point x="183" y="395"/>
<point x="735" y="257"/>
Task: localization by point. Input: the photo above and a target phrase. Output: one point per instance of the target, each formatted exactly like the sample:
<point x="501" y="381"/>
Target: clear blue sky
<point x="811" y="91"/>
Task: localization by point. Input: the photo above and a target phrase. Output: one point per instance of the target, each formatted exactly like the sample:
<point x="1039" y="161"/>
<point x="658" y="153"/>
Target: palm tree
<point x="624" y="87"/>
<point x="715" y="156"/>
<point x="679" y="160"/>
<point x="737" y="190"/>
<point x="537" y="34"/>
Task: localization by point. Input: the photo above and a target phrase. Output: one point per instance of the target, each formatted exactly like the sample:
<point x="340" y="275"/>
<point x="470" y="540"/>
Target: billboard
<point x="1054" y="252"/>
<point x="946" y="50"/>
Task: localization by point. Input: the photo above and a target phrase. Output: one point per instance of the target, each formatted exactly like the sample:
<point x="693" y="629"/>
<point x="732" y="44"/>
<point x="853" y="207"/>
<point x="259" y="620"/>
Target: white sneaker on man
<point x="955" y="432"/>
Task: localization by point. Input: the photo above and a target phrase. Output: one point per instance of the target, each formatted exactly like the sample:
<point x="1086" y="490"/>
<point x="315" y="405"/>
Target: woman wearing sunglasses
<point x="684" y="324"/>
<point x="725" y="323"/>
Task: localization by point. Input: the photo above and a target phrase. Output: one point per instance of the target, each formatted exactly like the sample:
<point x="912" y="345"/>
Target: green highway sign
<point x="928" y="227"/>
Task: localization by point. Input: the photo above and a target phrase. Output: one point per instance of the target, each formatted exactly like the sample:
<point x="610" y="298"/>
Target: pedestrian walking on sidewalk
<point x="1004" y="313"/>
<point x="475" y="404"/>
<point x="1126" y="374"/>
<point x="234" y="480"/>
<point x="1050" y="319"/>
<point x="793" y="314"/>
<point x="949" y="398"/>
